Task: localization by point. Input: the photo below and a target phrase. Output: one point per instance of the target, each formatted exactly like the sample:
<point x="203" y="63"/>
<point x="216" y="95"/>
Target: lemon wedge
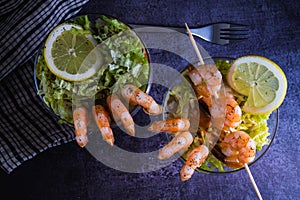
<point x="261" y="80"/>
<point x="69" y="55"/>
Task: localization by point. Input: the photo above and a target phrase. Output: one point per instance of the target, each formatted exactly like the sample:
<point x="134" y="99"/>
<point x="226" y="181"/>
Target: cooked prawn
<point x="194" y="159"/>
<point x="135" y="96"/>
<point x="80" y="119"/>
<point x="172" y="125"/>
<point x="233" y="114"/>
<point x="239" y="149"/>
<point x="180" y="142"/>
<point x="207" y="80"/>
<point x="102" y="120"/>
<point x="119" y="111"/>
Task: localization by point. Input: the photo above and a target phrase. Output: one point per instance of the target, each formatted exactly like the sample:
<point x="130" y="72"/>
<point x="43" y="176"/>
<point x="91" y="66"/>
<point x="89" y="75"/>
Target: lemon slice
<point x="261" y="80"/>
<point x="71" y="56"/>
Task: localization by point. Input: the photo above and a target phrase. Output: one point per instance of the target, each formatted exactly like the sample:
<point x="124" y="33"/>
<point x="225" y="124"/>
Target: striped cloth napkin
<point x="26" y="127"/>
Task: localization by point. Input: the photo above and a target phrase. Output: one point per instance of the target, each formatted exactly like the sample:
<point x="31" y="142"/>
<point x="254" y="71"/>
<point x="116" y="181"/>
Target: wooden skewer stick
<point x="194" y="45"/>
<point x="201" y="63"/>
<point x="253" y="182"/>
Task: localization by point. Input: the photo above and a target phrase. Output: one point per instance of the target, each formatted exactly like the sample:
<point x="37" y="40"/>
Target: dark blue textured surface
<point x="69" y="172"/>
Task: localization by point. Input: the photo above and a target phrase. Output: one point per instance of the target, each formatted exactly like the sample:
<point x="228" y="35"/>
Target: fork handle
<point x="202" y="32"/>
<point x="159" y="29"/>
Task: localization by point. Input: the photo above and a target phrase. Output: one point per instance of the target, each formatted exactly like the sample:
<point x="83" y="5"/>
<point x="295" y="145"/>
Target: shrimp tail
<point x="180" y="142"/>
<point x="80" y="124"/>
<point x="107" y="135"/>
<point x="102" y="120"/>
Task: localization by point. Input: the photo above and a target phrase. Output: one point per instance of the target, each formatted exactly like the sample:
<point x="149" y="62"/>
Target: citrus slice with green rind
<point x="70" y="55"/>
<point x="261" y="80"/>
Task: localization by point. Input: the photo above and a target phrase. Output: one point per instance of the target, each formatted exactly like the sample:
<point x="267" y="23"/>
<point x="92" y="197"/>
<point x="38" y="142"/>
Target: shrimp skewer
<point x="173" y="125"/>
<point x="207" y="81"/>
<point x="80" y="124"/>
<point x="179" y="142"/>
<point x="102" y="120"/>
<point x="239" y="149"/>
<point x="194" y="159"/>
<point x="237" y="146"/>
<point x="207" y="78"/>
<point x="119" y="111"/>
<point x="135" y="96"/>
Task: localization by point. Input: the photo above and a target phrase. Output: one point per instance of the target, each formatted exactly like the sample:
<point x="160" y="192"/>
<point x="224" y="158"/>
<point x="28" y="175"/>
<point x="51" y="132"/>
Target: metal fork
<point x="217" y="33"/>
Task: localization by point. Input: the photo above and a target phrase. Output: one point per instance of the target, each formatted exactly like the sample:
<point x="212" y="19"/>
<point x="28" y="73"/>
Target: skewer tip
<point x="194" y="45"/>
<point x="187" y="27"/>
<point x="253" y="182"/>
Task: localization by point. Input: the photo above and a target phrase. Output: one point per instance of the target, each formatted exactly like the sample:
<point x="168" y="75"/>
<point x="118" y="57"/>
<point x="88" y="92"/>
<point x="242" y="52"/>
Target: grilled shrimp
<point x="80" y="119"/>
<point x="119" y="111"/>
<point x="194" y="159"/>
<point x="239" y="149"/>
<point x="102" y="120"/>
<point x="180" y="142"/>
<point x="233" y="114"/>
<point x="173" y="125"/>
<point x="135" y="96"/>
<point x="207" y="80"/>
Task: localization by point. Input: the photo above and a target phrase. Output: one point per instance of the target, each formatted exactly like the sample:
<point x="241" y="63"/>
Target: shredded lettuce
<point x="256" y="126"/>
<point x="212" y="164"/>
<point x="124" y="61"/>
<point x="223" y="66"/>
<point x="84" y="22"/>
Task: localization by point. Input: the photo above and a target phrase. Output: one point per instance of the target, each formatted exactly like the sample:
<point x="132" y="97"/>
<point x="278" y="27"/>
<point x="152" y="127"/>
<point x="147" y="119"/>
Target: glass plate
<point x="272" y="127"/>
<point x="93" y="17"/>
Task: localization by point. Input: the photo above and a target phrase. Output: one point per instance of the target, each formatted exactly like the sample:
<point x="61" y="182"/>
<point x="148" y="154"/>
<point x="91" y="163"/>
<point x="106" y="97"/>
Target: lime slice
<point x="69" y="55"/>
<point x="261" y="80"/>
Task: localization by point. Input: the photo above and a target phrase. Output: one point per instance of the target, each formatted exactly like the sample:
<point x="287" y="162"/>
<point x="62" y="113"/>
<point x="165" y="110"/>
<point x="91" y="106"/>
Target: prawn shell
<point x="119" y="111"/>
<point x="211" y="76"/>
<point x="197" y="156"/>
<point x="102" y="120"/>
<point x="239" y="149"/>
<point x="135" y="96"/>
<point x="199" y="86"/>
<point x="180" y="142"/>
<point x="233" y="114"/>
<point x="80" y="118"/>
<point x="173" y="125"/>
<point x="194" y="159"/>
<point x="207" y="81"/>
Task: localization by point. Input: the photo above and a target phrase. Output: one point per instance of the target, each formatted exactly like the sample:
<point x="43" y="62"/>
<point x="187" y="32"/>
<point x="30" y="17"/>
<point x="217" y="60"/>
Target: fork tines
<point x="234" y="32"/>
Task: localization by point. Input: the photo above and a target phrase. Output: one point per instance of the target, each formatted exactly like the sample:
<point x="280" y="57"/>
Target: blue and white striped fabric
<point x="26" y="127"/>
